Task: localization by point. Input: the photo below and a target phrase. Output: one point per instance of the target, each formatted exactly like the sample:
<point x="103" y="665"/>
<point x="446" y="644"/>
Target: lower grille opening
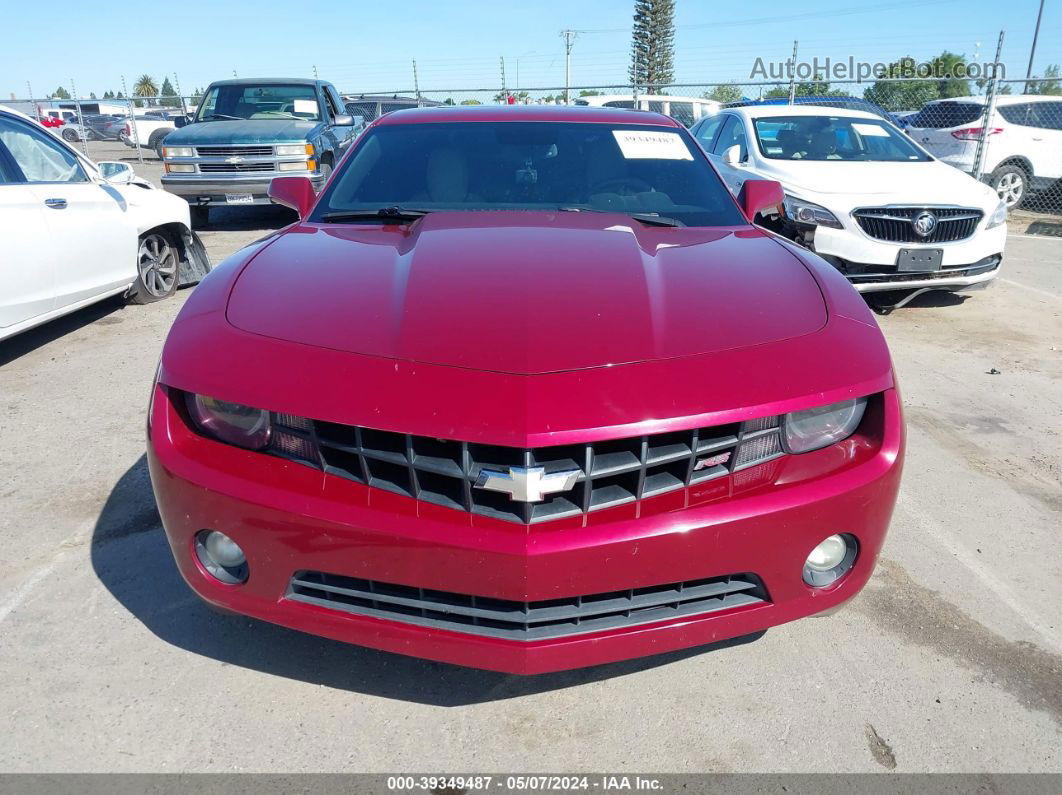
<point x="526" y="621"/>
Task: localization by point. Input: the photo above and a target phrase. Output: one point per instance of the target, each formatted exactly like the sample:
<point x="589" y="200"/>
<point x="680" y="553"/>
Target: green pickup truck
<point x="247" y="131"/>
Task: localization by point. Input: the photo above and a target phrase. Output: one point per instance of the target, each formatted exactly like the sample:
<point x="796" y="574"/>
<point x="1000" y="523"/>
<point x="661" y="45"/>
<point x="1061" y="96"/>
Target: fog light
<point x="830" y="560"/>
<point x="221" y="556"/>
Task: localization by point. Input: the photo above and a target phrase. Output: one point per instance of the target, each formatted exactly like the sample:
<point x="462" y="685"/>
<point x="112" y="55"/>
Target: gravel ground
<point x="950" y="660"/>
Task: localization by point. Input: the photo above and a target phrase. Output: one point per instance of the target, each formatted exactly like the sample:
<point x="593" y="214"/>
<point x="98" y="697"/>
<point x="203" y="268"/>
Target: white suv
<point x="1024" y="140"/>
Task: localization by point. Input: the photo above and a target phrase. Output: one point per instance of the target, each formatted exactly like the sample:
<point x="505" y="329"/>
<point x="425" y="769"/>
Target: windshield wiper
<point x="224" y="116"/>
<point x="385" y="215"/>
<point x="649" y="219"/>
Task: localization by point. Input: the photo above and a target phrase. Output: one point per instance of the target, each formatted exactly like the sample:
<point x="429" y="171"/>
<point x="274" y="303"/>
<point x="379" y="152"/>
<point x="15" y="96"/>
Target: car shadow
<point x="34" y="338"/>
<point x="243" y="219"/>
<point x="132" y="559"/>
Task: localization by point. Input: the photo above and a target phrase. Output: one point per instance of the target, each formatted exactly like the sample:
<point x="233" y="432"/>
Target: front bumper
<point x="290" y="518"/>
<point x="212" y="191"/>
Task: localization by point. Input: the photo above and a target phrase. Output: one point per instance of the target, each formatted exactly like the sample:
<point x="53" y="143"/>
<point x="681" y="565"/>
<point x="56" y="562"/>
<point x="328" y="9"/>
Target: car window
<point x="391" y="107"/>
<point x="942" y="115"/>
<point x="708" y="129"/>
<point x="1047" y="115"/>
<point x="833" y="138"/>
<point x="620" y="103"/>
<point x="531" y="166"/>
<point x="330" y="105"/>
<point x="366" y="109"/>
<point x="732" y="134"/>
<point x="38" y="156"/>
<point x="260" y="101"/>
<point x="1015" y="114"/>
<point x="683" y="112"/>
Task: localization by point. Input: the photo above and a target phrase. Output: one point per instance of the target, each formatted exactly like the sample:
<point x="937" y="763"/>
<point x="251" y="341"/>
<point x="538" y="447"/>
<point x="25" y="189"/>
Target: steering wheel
<point x="616" y="185"/>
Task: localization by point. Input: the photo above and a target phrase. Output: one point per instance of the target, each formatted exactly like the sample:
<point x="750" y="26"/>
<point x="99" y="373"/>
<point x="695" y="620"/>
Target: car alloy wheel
<point x="157" y="263"/>
<point x="1010" y="188"/>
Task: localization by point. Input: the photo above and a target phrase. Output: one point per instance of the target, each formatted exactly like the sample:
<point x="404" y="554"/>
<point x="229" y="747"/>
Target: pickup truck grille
<point x="231" y="168"/>
<point x="234" y="151"/>
<point x="896" y="224"/>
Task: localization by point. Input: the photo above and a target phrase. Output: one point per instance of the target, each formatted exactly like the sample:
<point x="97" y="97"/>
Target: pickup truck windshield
<point x="648" y="172"/>
<point x="833" y="138"/>
<point x="266" y="101"/>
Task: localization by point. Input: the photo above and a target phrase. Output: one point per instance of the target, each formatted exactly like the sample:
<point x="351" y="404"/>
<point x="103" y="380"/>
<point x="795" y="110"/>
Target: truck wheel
<point x="1011" y="182"/>
<point x="155" y="142"/>
<point x="200" y="216"/>
<point x="157" y="266"/>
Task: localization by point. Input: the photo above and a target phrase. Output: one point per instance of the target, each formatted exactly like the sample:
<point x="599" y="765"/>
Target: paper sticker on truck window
<point x="305" y="106"/>
<point x="870" y="129"/>
<point x="644" y="145"/>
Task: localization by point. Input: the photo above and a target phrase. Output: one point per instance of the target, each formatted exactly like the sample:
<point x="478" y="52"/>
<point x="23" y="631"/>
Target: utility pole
<point x="569" y="40"/>
<point x="792" y="75"/>
<point x="315" y="71"/>
<point x="416" y="82"/>
<point x="990" y="106"/>
<point x="1032" y="52"/>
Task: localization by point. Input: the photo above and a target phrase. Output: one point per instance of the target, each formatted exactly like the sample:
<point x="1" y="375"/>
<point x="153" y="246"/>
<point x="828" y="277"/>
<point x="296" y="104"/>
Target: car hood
<point x="245" y="131"/>
<point x="525" y="293"/>
<point x="927" y="182"/>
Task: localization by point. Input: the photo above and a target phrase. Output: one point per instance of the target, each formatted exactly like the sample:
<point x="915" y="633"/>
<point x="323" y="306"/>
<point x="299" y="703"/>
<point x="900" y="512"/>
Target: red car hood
<point x="525" y="293"/>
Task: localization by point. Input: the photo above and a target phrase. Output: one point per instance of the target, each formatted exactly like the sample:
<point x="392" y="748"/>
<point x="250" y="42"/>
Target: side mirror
<point x="180" y="121"/>
<point x="115" y="172"/>
<point x="758" y="195"/>
<point x="733" y="156"/>
<point x="344" y="120"/>
<point x="294" y="192"/>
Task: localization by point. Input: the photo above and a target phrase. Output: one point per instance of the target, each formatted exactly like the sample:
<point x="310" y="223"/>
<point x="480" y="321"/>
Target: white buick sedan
<point x="73" y="232"/>
<point x="863" y="196"/>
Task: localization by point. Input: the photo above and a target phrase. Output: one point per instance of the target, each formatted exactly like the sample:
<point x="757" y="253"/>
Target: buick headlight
<point x="809" y="213"/>
<point x="822" y="426"/>
<point x="999" y="216"/>
<point x="178" y="151"/>
<point x="287" y="150"/>
<point x="233" y="423"/>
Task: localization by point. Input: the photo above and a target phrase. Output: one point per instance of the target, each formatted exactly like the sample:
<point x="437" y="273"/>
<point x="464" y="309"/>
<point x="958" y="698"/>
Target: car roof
<point x="764" y="111"/>
<point x="253" y="81"/>
<point x="555" y="113"/>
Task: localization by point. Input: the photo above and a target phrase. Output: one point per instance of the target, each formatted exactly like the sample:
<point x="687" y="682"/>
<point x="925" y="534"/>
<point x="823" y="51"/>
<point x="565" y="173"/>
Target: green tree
<point x="902" y="95"/>
<point x="471" y="102"/>
<point x="449" y="101"/>
<point x="61" y="93"/>
<point x="589" y="93"/>
<point x="724" y="93"/>
<point x="145" y="86"/>
<point x="944" y="68"/>
<point x="108" y="95"/>
<point x="92" y="95"/>
<point x="1048" y="86"/>
<point x="653" y="45"/>
<point x="170" y="98"/>
<point x="814" y="88"/>
<point x="197" y="95"/>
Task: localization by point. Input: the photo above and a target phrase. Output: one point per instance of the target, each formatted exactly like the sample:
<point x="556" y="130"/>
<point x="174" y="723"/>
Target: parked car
<point x="74" y="132"/>
<point x="151" y="130"/>
<point x="843" y="103"/>
<point x="860" y="194"/>
<point x="247" y="131"/>
<point x="51" y="122"/>
<point x="1023" y="152"/>
<point x="73" y="232"/>
<point x="607" y="418"/>
<point x="372" y="106"/>
<point x="687" y="110"/>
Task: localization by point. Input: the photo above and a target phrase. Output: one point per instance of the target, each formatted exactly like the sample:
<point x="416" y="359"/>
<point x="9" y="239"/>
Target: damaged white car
<point x="73" y="232"/>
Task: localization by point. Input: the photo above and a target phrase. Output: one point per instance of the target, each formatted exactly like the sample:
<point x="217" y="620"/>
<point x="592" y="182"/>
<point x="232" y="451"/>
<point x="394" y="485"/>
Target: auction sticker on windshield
<point x="644" y="145"/>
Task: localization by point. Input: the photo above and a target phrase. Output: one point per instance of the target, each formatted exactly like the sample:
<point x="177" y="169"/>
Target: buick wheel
<point x="157" y="268"/>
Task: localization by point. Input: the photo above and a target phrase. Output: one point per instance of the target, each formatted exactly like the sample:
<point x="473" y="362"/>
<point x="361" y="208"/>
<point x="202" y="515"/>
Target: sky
<point x="460" y="44"/>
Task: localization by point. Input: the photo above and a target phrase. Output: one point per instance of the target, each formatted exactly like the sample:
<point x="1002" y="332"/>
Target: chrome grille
<point x="234" y="168"/>
<point x="526" y="621"/>
<point x="234" y="151"/>
<point x="444" y="472"/>
<point x="896" y="224"/>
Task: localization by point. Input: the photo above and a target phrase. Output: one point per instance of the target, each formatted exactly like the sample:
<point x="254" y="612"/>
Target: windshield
<point x="833" y="138"/>
<point x="633" y="169"/>
<point x="266" y="101"/>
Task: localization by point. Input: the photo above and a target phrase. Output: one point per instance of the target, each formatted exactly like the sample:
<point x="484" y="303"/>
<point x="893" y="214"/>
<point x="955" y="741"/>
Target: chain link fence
<point x="1005" y="132"/>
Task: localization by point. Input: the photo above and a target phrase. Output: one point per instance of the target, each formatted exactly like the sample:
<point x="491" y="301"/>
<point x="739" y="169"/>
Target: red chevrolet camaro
<point x="525" y="390"/>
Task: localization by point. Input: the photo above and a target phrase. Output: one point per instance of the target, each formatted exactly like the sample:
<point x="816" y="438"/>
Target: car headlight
<point x="178" y="151"/>
<point x="298" y="165"/>
<point x="233" y="423"/>
<point x="804" y="212"/>
<point x="999" y="216"/>
<point x="287" y="150"/>
<point x="812" y="429"/>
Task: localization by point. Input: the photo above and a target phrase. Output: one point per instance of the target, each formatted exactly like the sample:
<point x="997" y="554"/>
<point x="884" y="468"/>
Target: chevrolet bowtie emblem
<point x="526" y="484"/>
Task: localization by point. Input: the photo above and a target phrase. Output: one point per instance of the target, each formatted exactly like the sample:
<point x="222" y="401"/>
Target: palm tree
<point x="145" y="86"/>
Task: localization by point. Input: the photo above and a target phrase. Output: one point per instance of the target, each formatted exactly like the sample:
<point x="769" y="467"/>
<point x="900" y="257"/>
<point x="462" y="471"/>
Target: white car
<point x="859" y="193"/>
<point x="73" y="232"/>
<point x="1023" y="147"/>
<point x="687" y="110"/>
